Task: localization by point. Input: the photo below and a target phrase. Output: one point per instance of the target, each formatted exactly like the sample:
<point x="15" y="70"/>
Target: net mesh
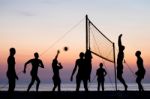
<point x="99" y="44"/>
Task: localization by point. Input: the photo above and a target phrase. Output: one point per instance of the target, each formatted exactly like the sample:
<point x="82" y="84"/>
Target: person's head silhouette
<point x="101" y="65"/>
<point x="88" y="52"/>
<point x="81" y="55"/>
<point x="122" y="48"/>
<point x="12" y="51"/>
<point x="138" y="53"/>
<point x="55" y="61"/>
<point x="36" y="55"/>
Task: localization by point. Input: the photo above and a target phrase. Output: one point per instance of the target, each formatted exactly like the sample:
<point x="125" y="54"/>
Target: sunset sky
<point x="36" y="26"/>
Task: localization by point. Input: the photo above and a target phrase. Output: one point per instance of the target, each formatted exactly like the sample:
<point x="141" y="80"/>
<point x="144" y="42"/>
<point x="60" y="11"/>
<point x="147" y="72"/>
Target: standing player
<point x="101" y="73"/>
<point x="120" y="62"/>
<point x="11" y="73"/>
<point x="36" y="63"/>
<point x="141" y="71"/>
<point x="56" y="67"/>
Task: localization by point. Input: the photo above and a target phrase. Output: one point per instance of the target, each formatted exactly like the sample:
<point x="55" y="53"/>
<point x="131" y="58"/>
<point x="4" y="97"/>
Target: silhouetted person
<point x="35" y="64"/>
<point x="120" y="62"/>
<point x="88" y="63"/>
<point x="141" y="71"/>
<point x="56" y="67"/>
<point x="82" y="74"/>
<point x="11" y="73"/>
<point x="101" y="73"/>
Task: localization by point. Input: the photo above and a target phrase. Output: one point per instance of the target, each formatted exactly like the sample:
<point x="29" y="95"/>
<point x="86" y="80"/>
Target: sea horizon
<point x="72" y="87"/>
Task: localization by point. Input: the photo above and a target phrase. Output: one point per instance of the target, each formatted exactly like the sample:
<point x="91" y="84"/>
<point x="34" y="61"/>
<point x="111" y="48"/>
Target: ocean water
<point x="72" y="87"/>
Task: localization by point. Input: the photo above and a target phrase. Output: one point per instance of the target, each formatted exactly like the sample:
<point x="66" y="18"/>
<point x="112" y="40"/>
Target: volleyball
<point x="65" y="48"/>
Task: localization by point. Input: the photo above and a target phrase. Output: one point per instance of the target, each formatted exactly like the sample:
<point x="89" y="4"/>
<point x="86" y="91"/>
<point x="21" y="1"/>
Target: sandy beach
<point x="76" y="95"/>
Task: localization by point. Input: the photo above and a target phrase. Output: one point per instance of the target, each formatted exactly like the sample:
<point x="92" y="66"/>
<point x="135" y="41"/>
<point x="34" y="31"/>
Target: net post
<point x="115" y="66"/>
<point x="86" y="30"/>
